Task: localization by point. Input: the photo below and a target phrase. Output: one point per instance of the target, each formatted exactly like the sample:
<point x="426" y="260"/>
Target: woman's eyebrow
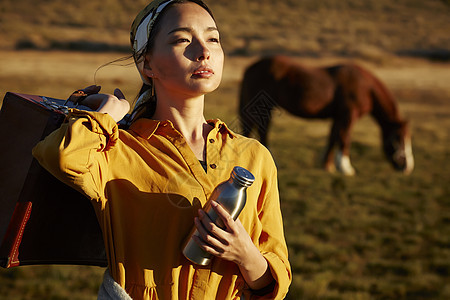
<point x="189" y="30"/>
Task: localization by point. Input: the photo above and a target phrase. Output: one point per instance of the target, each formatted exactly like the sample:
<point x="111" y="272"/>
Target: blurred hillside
<point x="369" y="29"/>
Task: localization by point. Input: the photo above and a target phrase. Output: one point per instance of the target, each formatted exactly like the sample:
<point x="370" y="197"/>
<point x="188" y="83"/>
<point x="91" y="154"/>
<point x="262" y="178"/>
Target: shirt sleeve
<point x="77" y="152"/>
<point x="272" y="243"/>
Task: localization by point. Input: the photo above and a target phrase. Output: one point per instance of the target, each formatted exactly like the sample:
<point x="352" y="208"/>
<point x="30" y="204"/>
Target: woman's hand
<point x="114" y="105"/>
<point x="233" y="244"/>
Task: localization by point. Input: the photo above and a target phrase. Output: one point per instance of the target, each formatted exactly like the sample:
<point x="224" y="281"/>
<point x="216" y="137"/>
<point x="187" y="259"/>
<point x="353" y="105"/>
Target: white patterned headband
<point x="141" y="29"/>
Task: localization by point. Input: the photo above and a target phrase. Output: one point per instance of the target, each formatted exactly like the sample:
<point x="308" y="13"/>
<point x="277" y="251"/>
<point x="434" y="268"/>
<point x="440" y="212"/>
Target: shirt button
<point x="211" y="141"/>
<point x="212" y="166"/>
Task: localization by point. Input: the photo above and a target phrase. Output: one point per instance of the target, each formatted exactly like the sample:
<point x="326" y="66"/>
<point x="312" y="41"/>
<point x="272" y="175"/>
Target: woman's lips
<point x="203" y="73"/>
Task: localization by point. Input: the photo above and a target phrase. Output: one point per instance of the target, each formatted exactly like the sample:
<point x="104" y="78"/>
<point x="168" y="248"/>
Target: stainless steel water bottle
<point x="231" y="195"/>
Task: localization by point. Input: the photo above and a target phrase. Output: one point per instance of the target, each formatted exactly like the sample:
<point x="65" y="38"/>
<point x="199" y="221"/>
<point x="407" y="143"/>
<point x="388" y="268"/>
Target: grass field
<point x="377" y="235"/>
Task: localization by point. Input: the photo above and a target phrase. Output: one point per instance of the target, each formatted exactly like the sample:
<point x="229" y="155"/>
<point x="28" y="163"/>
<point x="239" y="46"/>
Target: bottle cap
<point x="242" y="176"/>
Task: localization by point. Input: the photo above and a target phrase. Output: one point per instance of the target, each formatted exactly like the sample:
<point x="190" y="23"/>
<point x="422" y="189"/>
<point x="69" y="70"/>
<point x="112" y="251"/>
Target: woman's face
<point x="187" y="57"/>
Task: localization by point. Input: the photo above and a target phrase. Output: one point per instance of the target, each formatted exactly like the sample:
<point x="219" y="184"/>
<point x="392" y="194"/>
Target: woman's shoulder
<point x="252" y="143"/>
<point x="249" y="142"/>
<point x="251" y="147"/>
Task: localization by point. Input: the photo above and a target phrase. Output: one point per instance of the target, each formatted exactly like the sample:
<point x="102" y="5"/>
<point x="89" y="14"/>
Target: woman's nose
<point x="203" y="52"/>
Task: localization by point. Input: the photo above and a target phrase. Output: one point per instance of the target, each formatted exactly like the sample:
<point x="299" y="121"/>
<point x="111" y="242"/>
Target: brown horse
<point x="343" y="92"/>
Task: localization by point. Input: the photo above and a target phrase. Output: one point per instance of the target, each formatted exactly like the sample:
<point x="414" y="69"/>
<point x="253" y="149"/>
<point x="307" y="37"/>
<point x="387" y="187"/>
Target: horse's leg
<point x="263" y="127"/>
<point x="327" y="158"/>
<point x="244" y="118"/>
<point x="343" y="163"/>
<point x="246" y="126"/>
<point x="342" y="157"/>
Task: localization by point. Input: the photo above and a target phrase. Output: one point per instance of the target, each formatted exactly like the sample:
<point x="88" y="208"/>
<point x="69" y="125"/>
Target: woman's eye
<point x="181" y="40"/>
<point x="214" y="40"/>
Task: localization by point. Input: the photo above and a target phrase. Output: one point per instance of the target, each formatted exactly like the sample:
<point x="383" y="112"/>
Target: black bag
<point x="42" y="220"/>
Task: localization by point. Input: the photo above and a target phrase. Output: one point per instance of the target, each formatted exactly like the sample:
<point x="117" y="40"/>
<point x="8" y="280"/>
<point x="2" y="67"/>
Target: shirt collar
<point x="146" y="127"/>
<point x="221" y="127"/>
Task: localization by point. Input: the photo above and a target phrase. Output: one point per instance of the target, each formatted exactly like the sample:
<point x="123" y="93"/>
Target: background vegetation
<point x="248" y="27"/>
<point x="377" y="235"/>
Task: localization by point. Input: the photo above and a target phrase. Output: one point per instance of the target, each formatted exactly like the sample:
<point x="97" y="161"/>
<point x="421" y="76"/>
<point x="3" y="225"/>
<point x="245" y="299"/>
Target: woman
<point x="149" y="183"/>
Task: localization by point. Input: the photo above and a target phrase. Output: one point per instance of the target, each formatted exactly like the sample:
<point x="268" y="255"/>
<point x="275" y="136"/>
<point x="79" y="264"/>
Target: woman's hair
<point x="146" y="108"/>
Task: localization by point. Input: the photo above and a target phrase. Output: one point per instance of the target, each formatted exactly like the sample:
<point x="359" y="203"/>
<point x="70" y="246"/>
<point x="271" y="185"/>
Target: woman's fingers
<point x="115" y="105"/>
<point x="206" y="239"/>
<point x="94" y="101"/>
<point x="80" y="95"/>
<point x="224" y="216"/>
<point x="125" y="105"/>
<point x="124" y="102"/>
<point x="92" y="89"/>
<point x="230" y="243"/>
<point x="118" y="93"/>
<point x="206" y="226"/>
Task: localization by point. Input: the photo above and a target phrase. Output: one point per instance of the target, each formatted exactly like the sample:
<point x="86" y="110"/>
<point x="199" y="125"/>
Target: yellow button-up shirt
<point x="146" y="186"/>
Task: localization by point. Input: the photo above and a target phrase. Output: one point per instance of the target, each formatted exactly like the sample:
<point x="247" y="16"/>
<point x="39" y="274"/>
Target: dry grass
<point x="369" y="29"/>
<point x="379" y="235"/>
<point x="56" y="73"/>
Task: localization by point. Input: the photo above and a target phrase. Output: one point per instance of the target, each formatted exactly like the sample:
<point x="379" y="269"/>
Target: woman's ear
<point x="147" y="68"/>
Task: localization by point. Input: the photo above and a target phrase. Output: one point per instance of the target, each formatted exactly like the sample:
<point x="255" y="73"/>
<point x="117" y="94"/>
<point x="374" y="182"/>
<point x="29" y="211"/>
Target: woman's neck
<point x="187" y="117"/>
